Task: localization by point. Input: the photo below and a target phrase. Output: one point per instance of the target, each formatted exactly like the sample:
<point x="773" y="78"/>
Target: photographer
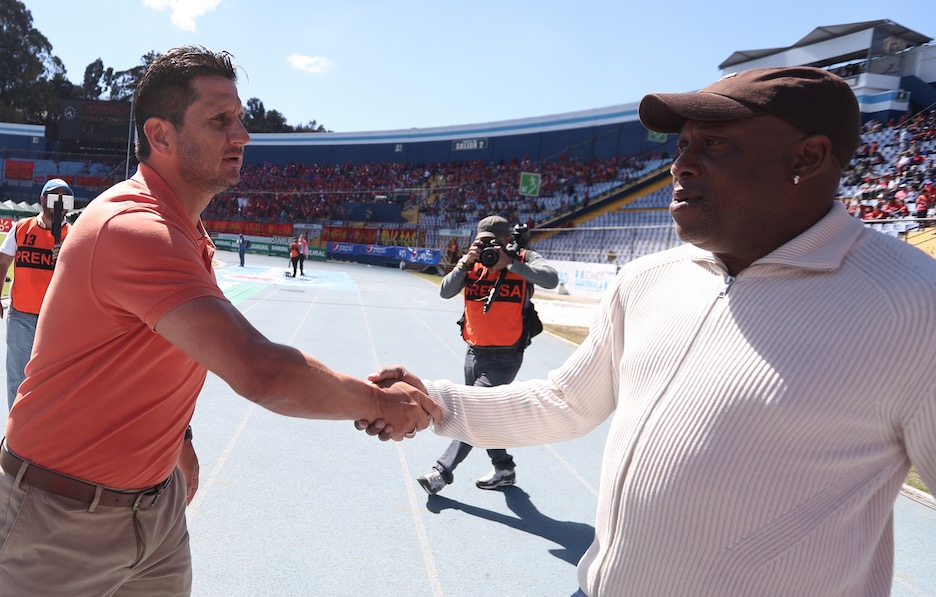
<point x="32" y="248"/>
<point x="497" y="274"/>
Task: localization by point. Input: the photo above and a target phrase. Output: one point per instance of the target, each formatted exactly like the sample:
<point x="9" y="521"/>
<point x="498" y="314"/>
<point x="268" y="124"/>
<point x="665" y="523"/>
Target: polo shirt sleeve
<point x="9" y="243"/>
<point x="144" y="265"/>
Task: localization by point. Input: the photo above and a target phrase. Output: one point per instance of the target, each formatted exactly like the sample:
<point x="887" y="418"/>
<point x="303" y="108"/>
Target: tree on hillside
<point x="29" y="72"/>
<point x="33" y="81"/>
<point x="96" y="80"/>
<point x="257" y="119"/>
<point x="123" y="82"/>
<point x="312" y="127"/>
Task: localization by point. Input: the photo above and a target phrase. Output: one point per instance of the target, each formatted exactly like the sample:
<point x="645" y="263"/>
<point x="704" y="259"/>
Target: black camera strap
<point x="494" y="290"/>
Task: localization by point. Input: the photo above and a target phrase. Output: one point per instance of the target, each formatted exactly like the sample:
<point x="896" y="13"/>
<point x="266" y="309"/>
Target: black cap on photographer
<point x="493" y="227"/>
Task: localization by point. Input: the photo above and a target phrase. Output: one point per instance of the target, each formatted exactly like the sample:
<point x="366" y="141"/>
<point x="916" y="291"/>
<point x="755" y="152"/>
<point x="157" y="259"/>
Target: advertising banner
<point x="384" y="253"/>
<point x="277" y="246"/>
<point x="19" y="169"/>
<point x="267" y="229"/>
<point x="349" y="234"/>
<point x="585" y="279"/>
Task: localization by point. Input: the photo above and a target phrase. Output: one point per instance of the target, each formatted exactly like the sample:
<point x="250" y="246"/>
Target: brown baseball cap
<point x="812" y="99"/>
<point x="493" y="227"/>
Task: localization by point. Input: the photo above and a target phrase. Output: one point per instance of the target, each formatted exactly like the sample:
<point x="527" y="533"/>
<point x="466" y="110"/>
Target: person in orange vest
<point x="32" y="250"/>
<point x="294" y="255"/>
<point x="497" y="275"/>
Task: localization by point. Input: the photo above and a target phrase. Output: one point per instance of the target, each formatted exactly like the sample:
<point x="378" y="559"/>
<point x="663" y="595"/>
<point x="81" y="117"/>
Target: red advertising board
<point x="19" y="169"/>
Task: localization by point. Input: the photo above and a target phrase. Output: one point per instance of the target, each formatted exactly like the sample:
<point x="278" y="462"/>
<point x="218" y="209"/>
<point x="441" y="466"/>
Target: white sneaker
<point x="432" y="481"/>
<point x="498" y="477"/>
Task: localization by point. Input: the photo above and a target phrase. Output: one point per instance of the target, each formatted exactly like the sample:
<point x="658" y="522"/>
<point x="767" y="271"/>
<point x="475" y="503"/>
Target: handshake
<point x="403" y="409"/>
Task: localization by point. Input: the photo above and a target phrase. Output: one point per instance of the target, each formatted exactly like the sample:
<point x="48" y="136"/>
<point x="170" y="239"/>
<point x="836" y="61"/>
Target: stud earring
<point x="796" y="179"/>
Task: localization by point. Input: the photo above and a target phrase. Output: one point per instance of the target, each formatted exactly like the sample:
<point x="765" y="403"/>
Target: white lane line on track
<point x="432" y="571"/>
<point x="591" y="488"/>
<point x="204" y="487"/>
<point x="555" y="454"/>
<point x="459" y="357"/>
<point x="904" y="584"/>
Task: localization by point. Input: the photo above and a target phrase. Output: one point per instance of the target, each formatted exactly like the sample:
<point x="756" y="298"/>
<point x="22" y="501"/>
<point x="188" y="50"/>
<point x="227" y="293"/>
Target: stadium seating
<point x="883" y="182"/>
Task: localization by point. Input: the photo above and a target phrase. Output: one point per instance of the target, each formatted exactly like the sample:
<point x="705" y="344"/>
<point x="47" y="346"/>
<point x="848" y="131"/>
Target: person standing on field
<point x="32" y="249"/>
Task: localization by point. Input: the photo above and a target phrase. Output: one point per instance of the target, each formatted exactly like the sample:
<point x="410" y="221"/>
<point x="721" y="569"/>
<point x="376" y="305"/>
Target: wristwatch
<point x="188" y="434"/>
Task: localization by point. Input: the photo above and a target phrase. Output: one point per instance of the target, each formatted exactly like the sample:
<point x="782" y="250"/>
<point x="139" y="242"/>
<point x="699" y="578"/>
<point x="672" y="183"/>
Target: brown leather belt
<point x="76" y="489"/>
<point x="494" y="349"/>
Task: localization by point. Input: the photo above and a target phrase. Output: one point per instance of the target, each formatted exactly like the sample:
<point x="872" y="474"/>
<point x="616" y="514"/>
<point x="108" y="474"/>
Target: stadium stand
<point x="604" y="186"/>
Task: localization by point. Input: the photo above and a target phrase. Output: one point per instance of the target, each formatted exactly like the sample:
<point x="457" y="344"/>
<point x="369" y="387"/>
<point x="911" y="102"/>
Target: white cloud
<point x="184" y="12"/>
<point x="316" y="65"/>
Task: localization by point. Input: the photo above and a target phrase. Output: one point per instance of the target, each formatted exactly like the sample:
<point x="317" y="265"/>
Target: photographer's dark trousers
<point x="485" y="367"/>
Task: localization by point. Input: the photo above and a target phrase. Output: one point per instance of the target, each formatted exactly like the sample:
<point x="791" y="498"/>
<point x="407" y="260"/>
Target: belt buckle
<point x="153" y="491"/>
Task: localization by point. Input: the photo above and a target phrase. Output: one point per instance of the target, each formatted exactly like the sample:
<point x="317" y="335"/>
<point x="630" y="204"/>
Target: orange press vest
<point x="32" y="264"/>
<point x="502" y="325"/>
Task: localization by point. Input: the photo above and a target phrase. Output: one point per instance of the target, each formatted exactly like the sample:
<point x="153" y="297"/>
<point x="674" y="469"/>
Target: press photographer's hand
<point x="473" y="254"/>
<point x="503" y="260"/>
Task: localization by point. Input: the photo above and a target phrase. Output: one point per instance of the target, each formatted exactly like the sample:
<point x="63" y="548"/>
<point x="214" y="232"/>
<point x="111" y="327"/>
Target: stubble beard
<point x="193" y="170"/>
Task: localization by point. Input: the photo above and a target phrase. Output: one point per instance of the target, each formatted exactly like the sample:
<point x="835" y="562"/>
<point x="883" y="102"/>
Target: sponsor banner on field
<point x="585" y="279"/>
<point x="278" y="246"/>
<point x="408" y="254"/>
<point x="381" y="251"/>
<point x="427" y="256"/>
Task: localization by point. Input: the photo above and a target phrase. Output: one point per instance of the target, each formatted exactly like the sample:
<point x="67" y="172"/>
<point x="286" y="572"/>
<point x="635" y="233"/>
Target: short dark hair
<point x="165" y="89"/>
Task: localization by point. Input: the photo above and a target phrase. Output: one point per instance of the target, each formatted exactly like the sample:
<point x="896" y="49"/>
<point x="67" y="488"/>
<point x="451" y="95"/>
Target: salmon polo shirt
<point x="107" y="399"/>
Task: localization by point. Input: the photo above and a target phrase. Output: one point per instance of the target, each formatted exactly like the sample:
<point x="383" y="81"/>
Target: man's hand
<point x="188" y="464"/>
<point x="473" y="254"/>
<point x="397" y="377"/>
<point x="56" y="249"/>
<point x="396" y="373"/>
<point x="503" y="260"/>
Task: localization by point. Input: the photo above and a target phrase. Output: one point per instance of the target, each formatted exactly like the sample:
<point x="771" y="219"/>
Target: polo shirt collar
<point x="150" y="178"/>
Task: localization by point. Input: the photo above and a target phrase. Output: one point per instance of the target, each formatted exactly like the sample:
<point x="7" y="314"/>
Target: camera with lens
<point x="490" y="250"/>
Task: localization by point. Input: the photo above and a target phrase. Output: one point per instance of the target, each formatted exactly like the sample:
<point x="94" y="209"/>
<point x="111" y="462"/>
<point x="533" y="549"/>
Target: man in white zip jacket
<point x="746" y="454"/>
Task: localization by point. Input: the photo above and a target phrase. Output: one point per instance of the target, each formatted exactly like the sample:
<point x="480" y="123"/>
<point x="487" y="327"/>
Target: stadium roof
<point x="828" y="32"/>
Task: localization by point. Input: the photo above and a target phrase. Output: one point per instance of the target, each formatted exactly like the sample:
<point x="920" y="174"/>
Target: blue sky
<point x="371" y="66"/>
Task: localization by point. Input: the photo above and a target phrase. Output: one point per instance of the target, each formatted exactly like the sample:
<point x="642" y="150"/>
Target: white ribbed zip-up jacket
<point x="762" y="425"/>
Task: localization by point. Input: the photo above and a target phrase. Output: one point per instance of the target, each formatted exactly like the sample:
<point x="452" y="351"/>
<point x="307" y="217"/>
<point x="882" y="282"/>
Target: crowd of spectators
<point x="478" y="187"/>
<point x="892" y="177"/>
<point x="447" y="192"/>
<point x="893" y="174"/>
<point x="314" y="192"/>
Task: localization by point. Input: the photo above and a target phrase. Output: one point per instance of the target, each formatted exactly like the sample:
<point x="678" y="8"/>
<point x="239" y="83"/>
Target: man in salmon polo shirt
<point x="98" y="464"/>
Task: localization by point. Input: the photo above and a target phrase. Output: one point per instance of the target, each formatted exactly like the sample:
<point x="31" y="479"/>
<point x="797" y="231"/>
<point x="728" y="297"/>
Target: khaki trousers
<point x="52" y="545"/>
